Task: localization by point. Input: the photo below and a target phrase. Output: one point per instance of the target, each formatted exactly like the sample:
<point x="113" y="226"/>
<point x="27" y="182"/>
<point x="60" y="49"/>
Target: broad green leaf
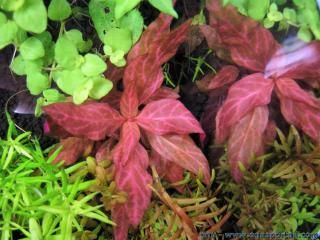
<point x="102" y="15"/>
<point x="101" y="87"/>
<point x="3" y="18"/>
<point x="8" y="32"/>
<point x="66" y="53"/>
<point x="75" y="36"/>
<point x="21" y="36"/>
<point x="119" y="39"/>
<point x="304" y="34"/>
<point x="32" y="16"/>
<point x="275" y="16"/>
<point x="134" y="22"/>
<point x="37" y="82"/>
<point x="59" y="10"/>
<point x="165" y="6"/>
<point x="52" y="95"/>
<point x="69" y="80"/>
<point x="82" y="92"/>
<point x="258" y="9"/>
<point x="32" y="48"/>
<point x="11" y="5"/>
<point x="45" y="38"/>
<point x="18" y="65"/>
<point x="125" y="6"/>
<point x="93" y="65"/>
<point x="117" y="58"/>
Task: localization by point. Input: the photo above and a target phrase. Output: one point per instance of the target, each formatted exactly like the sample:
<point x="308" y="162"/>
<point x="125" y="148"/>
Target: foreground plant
<point x="40" y="200"/>
<point x="243" y="120"/>
<point x="150" y="118"/>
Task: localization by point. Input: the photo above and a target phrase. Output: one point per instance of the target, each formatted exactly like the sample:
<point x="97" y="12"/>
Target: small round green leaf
<point x="304" y="34"/>
<point x="11" y="5"/>
<point x="68" y="80"/>
<point x="82" y="92"/>
<point x="75" y="36"/>
<point x="66" y="53"/>
<point x="18" y="65"/>
<point x="59" y="10"/>
<point x="101" y="87"/>
<point x="93" y="65"/>
<point x="165" y="6"/>
<point x="119" y="39"/>
<point x="8" y="32"/>
<point x="258" y="9"/>
<point x="32" y="48"/>
<point x="52" y="95"/>
<point x="32" y="16"/>
<point x="37" y="82"/>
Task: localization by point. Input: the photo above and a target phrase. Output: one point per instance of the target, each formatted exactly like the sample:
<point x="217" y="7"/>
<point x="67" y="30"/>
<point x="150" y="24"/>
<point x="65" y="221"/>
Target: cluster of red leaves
<point x="151" y="126"/>
<point x="243" y="119"/>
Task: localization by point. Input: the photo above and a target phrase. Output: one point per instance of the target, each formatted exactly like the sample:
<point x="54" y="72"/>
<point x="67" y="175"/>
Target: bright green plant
<point x="281" y="192"/>
<point x="303" y="14"/>
<point x="39" y="200"/>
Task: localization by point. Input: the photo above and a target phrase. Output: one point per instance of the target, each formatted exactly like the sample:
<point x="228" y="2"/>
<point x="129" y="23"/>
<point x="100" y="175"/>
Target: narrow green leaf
<point x="165" y="6"/>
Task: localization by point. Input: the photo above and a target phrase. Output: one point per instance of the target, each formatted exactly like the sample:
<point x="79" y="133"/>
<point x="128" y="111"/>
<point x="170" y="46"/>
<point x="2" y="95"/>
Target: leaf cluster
<point x="40" y="200"/>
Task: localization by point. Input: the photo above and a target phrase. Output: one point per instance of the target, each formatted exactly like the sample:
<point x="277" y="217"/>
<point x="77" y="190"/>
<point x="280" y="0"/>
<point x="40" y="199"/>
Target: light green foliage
<point x="164" y="6"/>
<point x="9" y="5"/>
<point x="124" y="6"/>
<point x="40" y="200"/>
<point x="32" y="49"/>
<point x="59" y="10"/>
<point x="303" y="14"/>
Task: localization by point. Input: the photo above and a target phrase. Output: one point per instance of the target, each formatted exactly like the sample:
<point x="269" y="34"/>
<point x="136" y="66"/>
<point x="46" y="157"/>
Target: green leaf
<point x="117" y="58"/>
<point x="69" y="80"/>
<point x="39" y="104"/>
<point x="93" y="65"/>
<point x="290" y="14"/>
<point x="134" y="22"/>
<point x="275" y="16"/>
<point x="124" y="6"/>
<point x="21" y="36"/>
<point x="59" y="10"/>
<point x="8" y="32"/>
<point x="32" y="48"/>
<point x="3" y="18"/>
<point x="45" y="38"/>
<point x="18" y="65"/>
<point x="37" y="82"/>
<point x="11" y="5"/>
<point x="267" y="23"/>
<point x="258" y="9"/>
<point x="52" y="95"/>
<point x="119" y="39"/>
<point x="101" y="87"/>
<point x="102" y="15"/>
<point x="75" y="36"/>
<point x="304" y="34"/>
<point x="66" y="53"/>
<point x="82" y="92"/>
<point x="35" y="229"/>
<point x="164" y="6"/>
<point x="32" y="16"/>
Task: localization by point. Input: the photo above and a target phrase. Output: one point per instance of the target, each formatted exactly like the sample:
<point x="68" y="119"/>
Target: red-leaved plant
<point x="243" y="119"/>
<point x="154" y="126"/>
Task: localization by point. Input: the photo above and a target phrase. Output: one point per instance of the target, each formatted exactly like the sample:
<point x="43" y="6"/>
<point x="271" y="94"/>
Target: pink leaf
<point x="129" y="101"/>
<point x="72" y="149"/>
<point x="114" y="73"/>
<point x="297" y="60"/>
<point x="52" y="129"/>
<point x="181" y="150"/>
<point x="164" y="92"/>
<point x="299" y="108"/>
<point x="250" y="92"/>
<point x="119" y="216"/>
<point x="246" y="140"/>
<point x="91" y="120"/>
<point x="226" y="75"/>
<point x="250" y="44"/>
<point x="133" y="179"/>
<point x="168" y="116"/>
<point x="129" y="138"/>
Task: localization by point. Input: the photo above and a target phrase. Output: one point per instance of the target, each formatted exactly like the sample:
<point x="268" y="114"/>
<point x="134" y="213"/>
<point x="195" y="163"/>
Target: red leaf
<point x="129" y="102"/>
<point x="246" y="140"/>
<point x="113" y="72"/>
<point x="250" y="44"/>
<point x="146" y="77"/>
<point x="154" y="31"/>
<point x="91" y="120"/>
<point x="113" y="99"/>
<point x="181" y="150"/>
<point x="129" y="138"/>
<point x="250" y="92"/>
<point x="119" y="216"/>
<point x="72" y="149"/>
<point x="299" y="108"/>
<point x="50" y="128"/>
<point x="133" y="179"/>
<point x="297" y="60"/>
<point x="168" y="116"/>
<point x="226" y="75"/>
